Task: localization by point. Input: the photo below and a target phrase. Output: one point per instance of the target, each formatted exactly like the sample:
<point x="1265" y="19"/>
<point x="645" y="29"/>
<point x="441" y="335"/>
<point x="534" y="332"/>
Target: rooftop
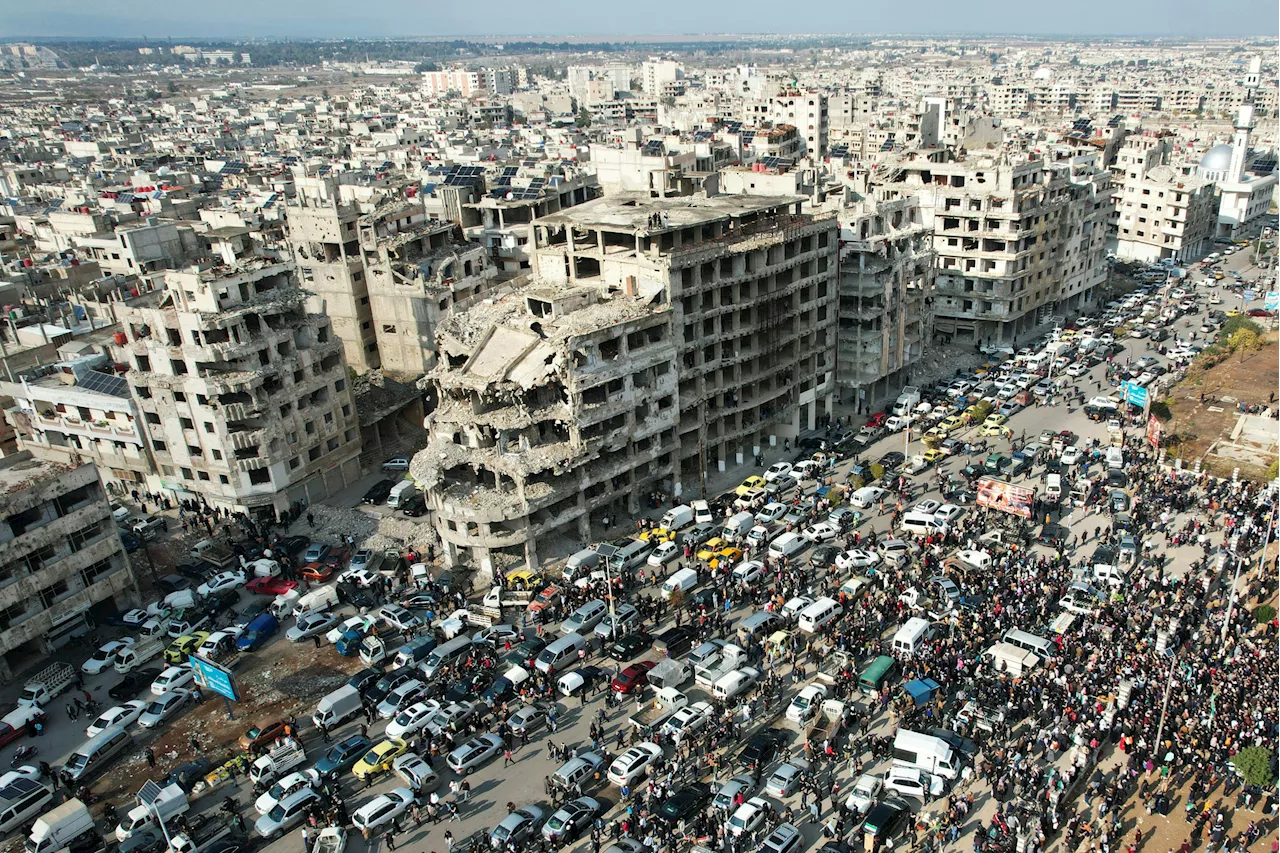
<point x="22" y="471"/>
<point x="631" y="211"/>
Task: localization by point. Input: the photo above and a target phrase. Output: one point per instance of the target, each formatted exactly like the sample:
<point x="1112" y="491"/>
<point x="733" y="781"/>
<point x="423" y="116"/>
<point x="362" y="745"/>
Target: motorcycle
<point x="21" y="756"/>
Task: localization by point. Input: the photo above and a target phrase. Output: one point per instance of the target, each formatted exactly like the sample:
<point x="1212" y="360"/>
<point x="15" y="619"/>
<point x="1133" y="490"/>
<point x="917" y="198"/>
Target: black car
<point x="760" y="750"/>
<point x="886" y="820"/>
<point x="1054" y="534"/>
<point x="292" y="544"/>
<point x="705" y="598"/>
<point x="342" y="756"/>
<point x="365" y="678"/>
<point x="684" y="803"/>
<point x="464" y="688"/>
<point x="378" y="691"/>
<point x="419" y="601"/>
<point x="892" y="460"/>
<point x="577" y="816"/>
<point x="173" y="583"/>
<point x="129" y="686"/>
<point x="629" y="646"/>
<point x="823" y="556"/>
<point x="501" y="690"/>
<point x="1117" y="479"/>
<point x="143" y="841"/>
<point x="198" y="571"/>
<point x="256" y="607"/>
<point x="187" y="775"/>
<point x="415" y="506"/>
<point x="520" y="655"/>
<point x="675" y="641"/>
<point x="378" y="492"/>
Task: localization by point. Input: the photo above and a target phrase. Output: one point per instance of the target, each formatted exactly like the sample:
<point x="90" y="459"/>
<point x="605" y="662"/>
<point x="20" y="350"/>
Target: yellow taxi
<point x="524" y="579"/>
<point x="658" y="535"/>
<point x="994" y="425"/>
<point x="725" y="555"/>
<point x="983" y="370"/>
<point x="379" y="758"/>
<point x="950" y="424"/>
<point x="973" y="412"/>
<point x="934" y="454"/>
<point x="752" y="482"/>
<point x="183" y="647"/>
<point x="933" y="438"/>
<point x="710" y="547"/>
<point x="1234" y="312"/>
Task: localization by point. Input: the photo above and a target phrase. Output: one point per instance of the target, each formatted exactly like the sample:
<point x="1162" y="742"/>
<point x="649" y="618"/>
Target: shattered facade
<point x="244" y="395"/>
<point x="657" y="339"/>
<point x="886" y="297"/>
<point x="62" y="564"/>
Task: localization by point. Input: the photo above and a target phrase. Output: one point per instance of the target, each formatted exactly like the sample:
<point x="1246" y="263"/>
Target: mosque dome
<point x="1216" y="159"/>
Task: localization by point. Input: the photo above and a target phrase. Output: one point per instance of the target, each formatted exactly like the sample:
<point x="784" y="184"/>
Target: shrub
<point x="1264" y="614"/>
<point x="1254" y="764"/>
<point x="982" y="410"/>
<point x="1244" y="339"/>
<point x="1273" y="470"/>
<point x="877" y="470"/>
<point x="1161" y="410"/>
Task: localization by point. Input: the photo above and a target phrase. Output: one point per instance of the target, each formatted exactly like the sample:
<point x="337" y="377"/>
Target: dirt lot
<point x="1195" y="423"/>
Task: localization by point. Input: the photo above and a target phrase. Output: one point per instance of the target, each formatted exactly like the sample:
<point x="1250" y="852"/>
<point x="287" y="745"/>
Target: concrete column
<point x="720" y="465"/>
<point x="773" y="439"/>
<point x="584" y="522"/>
<point x="738" y="457"/>
<point x="531" y="552"/>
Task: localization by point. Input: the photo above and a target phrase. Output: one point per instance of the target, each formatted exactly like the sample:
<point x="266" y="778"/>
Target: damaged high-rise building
<point x="886" y="296"/>
<point x="244" y="396"/>
<point x="656" y="342"/>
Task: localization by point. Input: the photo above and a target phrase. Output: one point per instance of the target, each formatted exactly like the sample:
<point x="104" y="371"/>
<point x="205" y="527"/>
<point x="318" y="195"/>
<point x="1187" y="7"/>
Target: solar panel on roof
<point x="538" y="182"/>
<point x="503" y="181"/>
<point x="510" y="171"/>
<point x="104" y="383"/>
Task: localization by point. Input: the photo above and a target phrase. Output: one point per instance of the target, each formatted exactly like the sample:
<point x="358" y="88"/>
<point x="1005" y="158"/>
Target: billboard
<point x="210" y="676"/>
<point x="1153" y="431"/>
<point x="1006" y="497"/>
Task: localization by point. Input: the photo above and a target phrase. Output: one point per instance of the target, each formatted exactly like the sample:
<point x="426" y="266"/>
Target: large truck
<point x="719" y="665"/>
<point x="48" y="683"/>
<point x="68" y="826"/>
<point x="666" y="702"/>
<point x="169" y="803"/>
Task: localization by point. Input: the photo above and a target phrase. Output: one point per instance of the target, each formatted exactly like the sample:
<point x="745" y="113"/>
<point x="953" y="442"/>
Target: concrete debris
<point x="941" y="362"/>
<point x="370" y="530"/>
<point x="377" y="396"/>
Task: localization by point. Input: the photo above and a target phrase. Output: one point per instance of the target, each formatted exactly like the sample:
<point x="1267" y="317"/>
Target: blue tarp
<point x="921" y="690"/>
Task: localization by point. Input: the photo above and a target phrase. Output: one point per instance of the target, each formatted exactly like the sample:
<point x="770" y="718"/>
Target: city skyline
<point x="328" y="19"/>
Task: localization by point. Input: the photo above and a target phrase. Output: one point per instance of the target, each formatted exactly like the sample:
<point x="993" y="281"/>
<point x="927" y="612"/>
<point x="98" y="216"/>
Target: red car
<point x="633" y="678"/>
<point x="14" y="726"/>
<point x="270" y="586"/>
<point x="1260" y="312"/>
<point x="877" y="419"/>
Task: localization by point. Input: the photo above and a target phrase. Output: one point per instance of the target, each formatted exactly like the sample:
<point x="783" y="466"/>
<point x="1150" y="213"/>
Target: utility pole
<point x="1164" y="705"/>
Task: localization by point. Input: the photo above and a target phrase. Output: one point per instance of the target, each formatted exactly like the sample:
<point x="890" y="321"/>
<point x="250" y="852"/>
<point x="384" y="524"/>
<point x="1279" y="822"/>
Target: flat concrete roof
<point x="631" y="211"/>
<point x="22" y="471"/>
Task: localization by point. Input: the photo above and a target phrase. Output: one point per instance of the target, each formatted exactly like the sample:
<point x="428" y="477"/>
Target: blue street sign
<point x="1248" y="295"/>
<point x="1135" y="394"/>
<point x="213" y="677"/>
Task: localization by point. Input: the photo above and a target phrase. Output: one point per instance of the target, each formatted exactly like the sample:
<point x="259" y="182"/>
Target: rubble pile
<point x="334" y="523"/>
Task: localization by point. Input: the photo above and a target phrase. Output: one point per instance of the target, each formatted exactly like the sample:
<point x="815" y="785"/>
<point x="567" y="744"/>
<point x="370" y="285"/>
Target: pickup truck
<point x="719" y="665"/>
<point x="826" y="724"/>
<point x="666" y="703"/>
<point x="212" y="552"/>
<point x="47" y="684"/>
<point x="203" y="831"/>
<point x="379" y="645"/>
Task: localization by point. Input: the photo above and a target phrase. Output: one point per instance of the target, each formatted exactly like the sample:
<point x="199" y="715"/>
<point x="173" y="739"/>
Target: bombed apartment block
<point x="886" y="283"/>
<point x="244" y="396"/>
<point x="415" y="269"/>
<point x="62" y="564"/>
<point x="656" y="341"/>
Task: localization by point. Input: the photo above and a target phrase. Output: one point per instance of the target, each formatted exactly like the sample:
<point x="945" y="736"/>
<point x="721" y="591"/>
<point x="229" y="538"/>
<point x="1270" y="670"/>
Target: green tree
<point x="584" y="118"/>
<point x="1264" y="614"/>
<point x="1244" y="340"/>
<point x="1254" y="764"/>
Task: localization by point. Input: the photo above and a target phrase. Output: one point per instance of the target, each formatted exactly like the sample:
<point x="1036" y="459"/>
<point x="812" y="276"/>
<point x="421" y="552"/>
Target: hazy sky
<point x="515" y="18"/>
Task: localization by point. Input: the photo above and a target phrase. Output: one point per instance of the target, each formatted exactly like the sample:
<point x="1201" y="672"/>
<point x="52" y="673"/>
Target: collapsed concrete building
<point x="656" y="342"/>
<point x="886" y="296"/>
<point x="244" y="396"/>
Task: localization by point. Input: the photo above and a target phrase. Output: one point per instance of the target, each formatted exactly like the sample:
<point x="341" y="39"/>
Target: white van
<point x="818" y="615"/>
<point x="733" y="683"/>
<point x="22" y="797"/>
<point x="1115" y="458"/>
<point x="400" y="493"/>
<point x="701" y="512"/>
<point x="737" y="526"/>
<point x="555" y="656"/>
<point x="631" y="555"/>
<point x="319" y="598"/>
<point x="911" y="636"/>
<point x="922" y="524"/>
<point x="1053" y="488"/>
<point x="915" y="749"/>
<point x="446" y="655"/>
<point x="678" y="517"/>
<point x="1031" y="643"/>
<point x="681" y="581"/>
<point x="855" y="587"/>
<point x="787" y="545"/>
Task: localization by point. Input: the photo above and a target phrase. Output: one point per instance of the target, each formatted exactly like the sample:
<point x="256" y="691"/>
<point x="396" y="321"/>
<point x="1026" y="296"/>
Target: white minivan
<point x="819" y="615"/>
<point x="787" y="545"/>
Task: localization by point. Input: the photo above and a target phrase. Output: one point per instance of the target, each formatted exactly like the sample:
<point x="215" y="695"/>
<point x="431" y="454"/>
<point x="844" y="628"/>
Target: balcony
<point x="75" y="426"/>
